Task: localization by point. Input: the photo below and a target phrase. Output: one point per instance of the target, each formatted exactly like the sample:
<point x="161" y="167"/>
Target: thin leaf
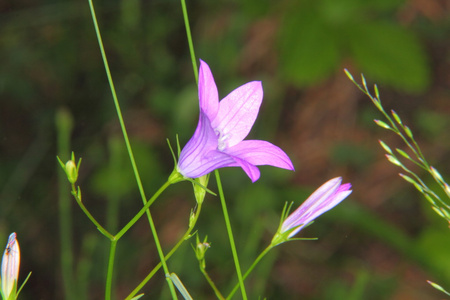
<point x="179" y="285"/>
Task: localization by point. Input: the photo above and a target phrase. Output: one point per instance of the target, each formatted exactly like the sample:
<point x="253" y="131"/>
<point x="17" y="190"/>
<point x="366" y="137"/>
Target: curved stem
<point x="100" y="228"/>
<point x="230" y="235"/>
<point x="143" y="210"/>
<point x="175" y="248"/>
<point x="250" y="270"/>
<point x="212" y="284"/>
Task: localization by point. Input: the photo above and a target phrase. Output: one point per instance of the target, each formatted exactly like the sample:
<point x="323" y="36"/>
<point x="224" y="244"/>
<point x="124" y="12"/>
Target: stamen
<point x="221" y="140"/>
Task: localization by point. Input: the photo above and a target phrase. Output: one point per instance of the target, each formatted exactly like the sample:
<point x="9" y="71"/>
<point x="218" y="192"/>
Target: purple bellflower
<point x="330" y="194"/>
<point x="222" y="126"/>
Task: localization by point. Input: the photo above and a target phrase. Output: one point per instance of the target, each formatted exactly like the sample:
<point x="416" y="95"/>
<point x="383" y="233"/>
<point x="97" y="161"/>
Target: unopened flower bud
<point x="201" y="248"/>
<point x="330" y="194"/>
<point x="71" y="171"/>
<point x="200" y="189"/>
<point x="10" y="267"/>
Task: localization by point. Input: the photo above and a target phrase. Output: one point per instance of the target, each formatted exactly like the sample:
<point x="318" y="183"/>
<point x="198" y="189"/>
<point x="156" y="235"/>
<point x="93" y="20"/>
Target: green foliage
<point x="116" y="176"/>
<point x="390" y="54"/>
<point x="309" y="49"/>
<point x="434" y="242"/>
<point x="365" y="286"/>
<point x="315" y="36"/>
<point x="432" y="124"/>
<point x="356" y="156"/>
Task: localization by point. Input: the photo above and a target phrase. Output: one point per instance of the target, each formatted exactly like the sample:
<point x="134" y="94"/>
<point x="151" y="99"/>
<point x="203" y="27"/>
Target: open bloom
<point x="330" y="194"/>
<point x="222" y="126"/>
<point x="10" y="266"/>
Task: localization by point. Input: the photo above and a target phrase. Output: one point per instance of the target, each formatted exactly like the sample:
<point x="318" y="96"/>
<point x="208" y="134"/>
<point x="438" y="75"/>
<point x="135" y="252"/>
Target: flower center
<point x="222" y="139"/>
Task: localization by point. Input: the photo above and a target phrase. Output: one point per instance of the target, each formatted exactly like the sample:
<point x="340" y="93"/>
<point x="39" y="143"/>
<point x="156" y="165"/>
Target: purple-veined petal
<point x="207" y="91"/>
<point x="315" y="199"/>
<point x="312" y="215"/>
<point x="203" y="141"/>
<point x="323" y="199"/>
<point x="251" y="170"/>
<point x="217" y="141"/>
<point x="259" y="153"/>
<point x="322" y="193"/>
<point x="208" y="162"/>
<point x="238" y="111"/>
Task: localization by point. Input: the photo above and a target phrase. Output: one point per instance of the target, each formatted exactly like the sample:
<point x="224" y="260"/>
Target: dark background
<point x="383" y="242"/>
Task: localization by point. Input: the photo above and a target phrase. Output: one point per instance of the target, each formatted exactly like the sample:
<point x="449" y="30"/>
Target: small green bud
<point x="436" y="174"/>
<point x="382" y="124"/>
<point x="192" y="219"/>
<point x="363" y="80"/>
<point x="201" y="248"/>
<point x="200" y="189"/>
<point x="396" y="117"/>
<point x="349" y="75"/>
<point x="447" y="188"/>
<point x="436" y="209"/>
<point x="71" y="171"/>
<point x="429" y="199"/>
<point x="393" y="160"/>
<point x="408" y="132"/>
<point x="438" y="287"/>
<point x="413" y="182"/>
<point x="385" y="146"/>
<point x="402" y="153"/>
<point x="377" y="93"/>
<point x="446" y="213"/>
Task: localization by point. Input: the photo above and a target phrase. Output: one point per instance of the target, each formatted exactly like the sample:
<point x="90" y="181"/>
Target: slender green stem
<point x="143" y="210"/>
<point x="128" y="145"/>
<point x="409" y="141"/>
<point x="162" y="258"/>
<point x="416" y="150"/>
<point x="189" y="37"/>
<point x="116" y="103"/>
<point x="100" y="228"/>
<point x="186" y="236"/>
<point x="64" y="125"/>
<point x="116" y="238"/>
<point x="109" y="276"/>
<point x="212" y="284"/>
<point x="250" y="270"/>
<point x="230" y="235"/>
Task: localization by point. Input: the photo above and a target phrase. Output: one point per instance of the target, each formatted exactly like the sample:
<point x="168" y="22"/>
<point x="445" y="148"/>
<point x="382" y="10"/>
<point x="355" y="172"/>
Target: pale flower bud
<point x="10" y="267"/>
<point x="71" y="171"/>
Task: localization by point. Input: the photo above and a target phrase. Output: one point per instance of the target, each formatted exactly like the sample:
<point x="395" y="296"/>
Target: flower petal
<point x="259" y="153"/>
<point x="313" y="214"/>
<point x="251" y="170"/>
<point x="238" y="111"/>
<point x="203" y="141"/>
<point x="207" y="91"/>
<point x="208" y="162"/>
<point x="321" y="194"/>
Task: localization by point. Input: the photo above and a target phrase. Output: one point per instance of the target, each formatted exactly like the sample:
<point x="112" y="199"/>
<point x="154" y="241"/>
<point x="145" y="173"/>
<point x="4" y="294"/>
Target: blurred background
<point x="383" y="242"/>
